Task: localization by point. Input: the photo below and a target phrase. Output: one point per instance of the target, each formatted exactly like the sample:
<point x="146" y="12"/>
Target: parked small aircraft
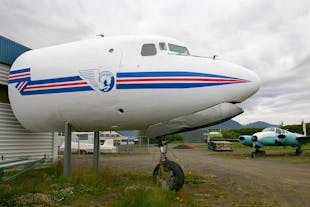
<point x="127" y="83"/>
<point x="85" y="148"/>
<point x="274" y="137"/>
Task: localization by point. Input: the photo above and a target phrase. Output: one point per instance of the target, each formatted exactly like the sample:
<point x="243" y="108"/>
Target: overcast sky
<point x="271" y="38"/>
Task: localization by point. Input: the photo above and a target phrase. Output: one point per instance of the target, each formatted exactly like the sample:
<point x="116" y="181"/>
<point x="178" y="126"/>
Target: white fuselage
<point x="262" y="135"/>
<point x="106" y="83"/>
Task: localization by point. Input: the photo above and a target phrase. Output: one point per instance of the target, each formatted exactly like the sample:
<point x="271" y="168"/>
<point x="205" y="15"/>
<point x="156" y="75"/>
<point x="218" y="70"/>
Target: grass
<point x="47" y="187"/>
<point x="147" y="198"/>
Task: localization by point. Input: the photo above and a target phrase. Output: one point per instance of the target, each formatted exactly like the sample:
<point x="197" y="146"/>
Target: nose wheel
<point x="253" y="154"/>
<point x="299" y="152"/>
<point x="167" y="174"/>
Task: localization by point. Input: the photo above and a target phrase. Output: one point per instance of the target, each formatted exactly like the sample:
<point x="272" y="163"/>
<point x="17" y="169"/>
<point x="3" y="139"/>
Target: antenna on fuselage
<point x="214" y="56"/>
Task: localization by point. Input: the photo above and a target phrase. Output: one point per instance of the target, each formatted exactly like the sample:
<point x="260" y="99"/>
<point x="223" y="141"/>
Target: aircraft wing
<point x="207" y="117"/>
<point x="304" y="138"/>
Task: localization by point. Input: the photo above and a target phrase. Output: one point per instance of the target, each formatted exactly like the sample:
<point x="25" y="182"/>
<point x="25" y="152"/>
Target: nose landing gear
<point x="299" y="152"/>
<point x="167" y="174"/>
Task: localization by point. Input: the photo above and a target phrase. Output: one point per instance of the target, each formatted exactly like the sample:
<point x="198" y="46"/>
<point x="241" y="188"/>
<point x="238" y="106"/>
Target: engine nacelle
<point x="204" y="118"/>
<point x="246" y="140"/>
<point x="288" y="139"/>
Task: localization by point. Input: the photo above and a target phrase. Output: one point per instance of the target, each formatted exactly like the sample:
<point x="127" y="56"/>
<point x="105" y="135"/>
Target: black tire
<point x="83" y="152"/>
<point x="173" y="178"/>
<point x="299" y="152"/>
<point x="253" y="155"/>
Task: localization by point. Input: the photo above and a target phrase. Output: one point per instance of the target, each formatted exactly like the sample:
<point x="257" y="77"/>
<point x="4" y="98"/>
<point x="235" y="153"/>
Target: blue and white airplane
<point x="274" y="137"/>
<point x="125" y="83"/>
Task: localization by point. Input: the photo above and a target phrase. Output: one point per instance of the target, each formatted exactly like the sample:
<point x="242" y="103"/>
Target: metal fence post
<point x="96" y="151"/>
<point x="67" y="153"/>
<point x="148" y="144"/>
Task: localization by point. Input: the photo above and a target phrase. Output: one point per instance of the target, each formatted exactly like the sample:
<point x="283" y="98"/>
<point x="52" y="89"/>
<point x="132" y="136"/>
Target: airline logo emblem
<point x="104" y="81"/>
<point x="99" y="80"/>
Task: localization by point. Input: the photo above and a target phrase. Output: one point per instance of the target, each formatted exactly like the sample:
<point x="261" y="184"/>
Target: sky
<point x="272" y="38"/>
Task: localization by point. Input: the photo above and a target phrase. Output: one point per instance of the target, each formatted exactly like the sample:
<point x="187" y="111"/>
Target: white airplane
<point x="85" y="148"/>
<point x="125" y="83"/>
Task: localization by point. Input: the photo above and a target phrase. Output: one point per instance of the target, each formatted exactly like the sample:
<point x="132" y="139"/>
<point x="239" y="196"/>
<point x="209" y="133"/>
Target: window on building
<point x="61" y="134"/>
<point x="179" y="50"/>
<point x="4" y="97"/>
<point x="148" y="50"/>
<point x="162" y="46"/>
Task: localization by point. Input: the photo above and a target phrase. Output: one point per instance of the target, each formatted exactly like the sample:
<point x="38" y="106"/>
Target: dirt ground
<point x="274" y="179"/>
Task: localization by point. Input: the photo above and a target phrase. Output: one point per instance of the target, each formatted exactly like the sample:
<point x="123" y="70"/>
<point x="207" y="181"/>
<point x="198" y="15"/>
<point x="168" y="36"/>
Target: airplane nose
<point x="249" y="87"/>
<point x="254" y="82"/>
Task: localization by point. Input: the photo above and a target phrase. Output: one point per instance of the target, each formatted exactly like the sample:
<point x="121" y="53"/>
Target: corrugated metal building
<point x="15" y="140"/>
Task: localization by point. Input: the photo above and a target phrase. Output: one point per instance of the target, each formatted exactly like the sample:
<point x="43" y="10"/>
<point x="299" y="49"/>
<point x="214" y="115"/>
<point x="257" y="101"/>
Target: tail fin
<point x="109" y="142"/>
<point x="304" y="128"/>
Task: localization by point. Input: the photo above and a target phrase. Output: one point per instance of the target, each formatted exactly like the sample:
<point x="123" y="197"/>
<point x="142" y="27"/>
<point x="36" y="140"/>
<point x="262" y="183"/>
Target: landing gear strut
<point x="257" y="151"/>
<point x="253" y="154"/>
<point x="299" y="152"/>
<point x="167" y="174"/>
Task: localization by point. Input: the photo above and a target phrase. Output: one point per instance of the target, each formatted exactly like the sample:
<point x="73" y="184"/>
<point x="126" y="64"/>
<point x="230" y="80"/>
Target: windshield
<point x="268" y="130"/>
<point x="177" y="49"/>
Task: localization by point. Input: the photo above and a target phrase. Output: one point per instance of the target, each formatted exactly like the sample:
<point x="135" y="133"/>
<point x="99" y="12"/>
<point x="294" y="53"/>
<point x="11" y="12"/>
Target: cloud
<point x="42" y="23"/>
<point x="269" y="37"/>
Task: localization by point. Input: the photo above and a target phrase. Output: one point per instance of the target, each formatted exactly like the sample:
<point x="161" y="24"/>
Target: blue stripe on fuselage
<point x="166" y="85"/>
<point x="56" y="80"/>
<point x="20" y="71"/>
<point x="169" y="74"/>
<point x="57" y="90"/>
<point x="18" y="80"/>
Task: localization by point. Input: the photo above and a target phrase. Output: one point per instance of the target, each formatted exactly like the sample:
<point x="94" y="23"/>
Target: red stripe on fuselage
<point x="177" y="79"/>
<point x="21" y="86"/>
<point x="57" y="85"/>
<point x="18" y="76"/>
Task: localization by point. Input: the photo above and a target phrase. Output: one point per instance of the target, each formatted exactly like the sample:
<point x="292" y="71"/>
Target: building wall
<point x="4" y="74"/>
<point x="16" y="141"/>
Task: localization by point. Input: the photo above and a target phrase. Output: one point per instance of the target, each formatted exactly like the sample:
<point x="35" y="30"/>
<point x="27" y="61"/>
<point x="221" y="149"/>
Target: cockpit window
<point x="177" y="49"/>
<point x="268" y="130"/>
<point x="162" y="46"/>
<point x="278" y="131"/>
<point x="148" y="50"/>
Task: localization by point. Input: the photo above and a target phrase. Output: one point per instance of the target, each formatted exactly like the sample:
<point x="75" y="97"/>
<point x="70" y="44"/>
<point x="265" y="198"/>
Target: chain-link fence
<point x="139" y="145"/>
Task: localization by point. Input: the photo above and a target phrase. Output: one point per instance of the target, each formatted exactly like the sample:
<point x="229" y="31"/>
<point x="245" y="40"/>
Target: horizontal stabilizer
<point x="208" y="117"/>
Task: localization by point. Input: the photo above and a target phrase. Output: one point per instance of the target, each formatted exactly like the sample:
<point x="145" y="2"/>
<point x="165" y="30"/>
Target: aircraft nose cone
<point x="254" y="82"/>
<point x="250" y="86"/>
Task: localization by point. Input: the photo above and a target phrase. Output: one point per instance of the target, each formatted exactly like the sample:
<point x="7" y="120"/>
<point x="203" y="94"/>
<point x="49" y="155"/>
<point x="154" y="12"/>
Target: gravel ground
<point x="288" y="184"/>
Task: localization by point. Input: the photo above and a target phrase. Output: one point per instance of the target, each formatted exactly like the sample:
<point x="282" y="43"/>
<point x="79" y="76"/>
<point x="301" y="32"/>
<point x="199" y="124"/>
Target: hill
<point x="197" y="135"/>
<point x="259" y="124"/>
<point x="231" y="124"/>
